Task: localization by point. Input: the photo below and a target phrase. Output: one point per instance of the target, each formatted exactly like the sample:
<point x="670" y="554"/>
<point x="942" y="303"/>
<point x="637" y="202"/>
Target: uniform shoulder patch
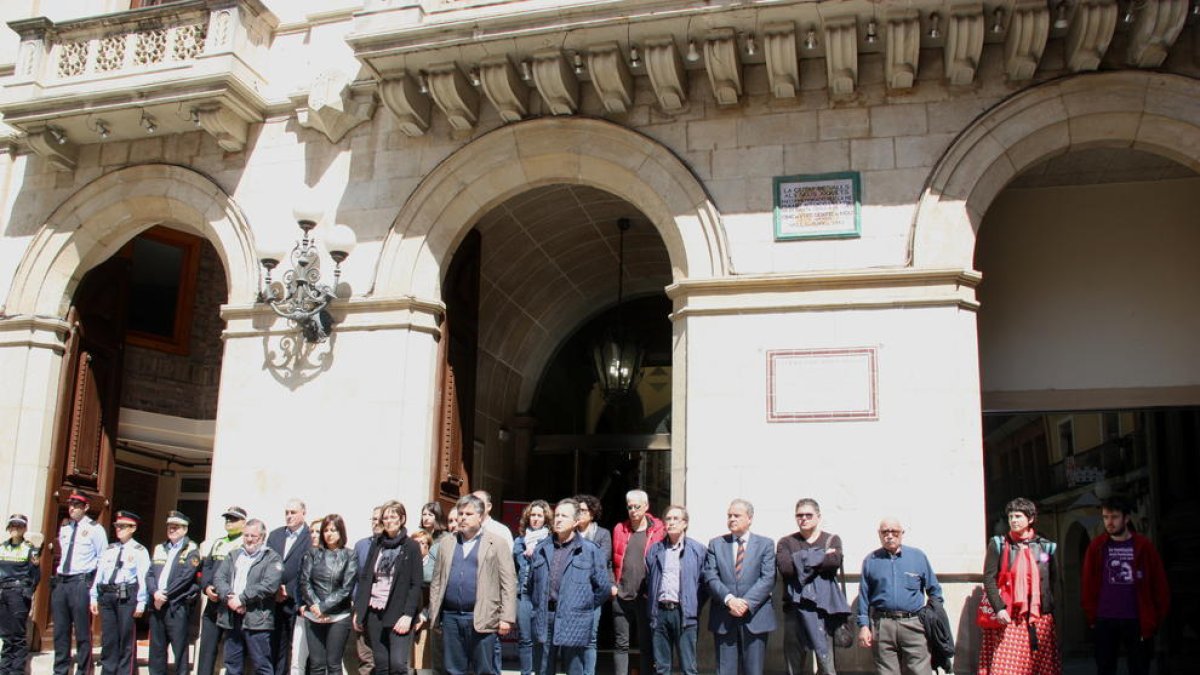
<point x="195" y="561"/>
<point x="115" y="544"/>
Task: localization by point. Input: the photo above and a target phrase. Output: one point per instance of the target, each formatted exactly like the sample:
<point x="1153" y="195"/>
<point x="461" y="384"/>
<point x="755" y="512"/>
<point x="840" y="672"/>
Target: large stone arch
<point x="515" y="158"/>
<point x="93" y="224"/>
<point x="1154" y="112"/>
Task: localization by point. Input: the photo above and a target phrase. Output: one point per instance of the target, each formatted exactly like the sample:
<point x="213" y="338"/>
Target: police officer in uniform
<point x="119" y="595"/>
<point x="172" y="585"/>
<point x="81" y="541"/>
<point x="213" y="553"/>
<point x="19" y="575"/>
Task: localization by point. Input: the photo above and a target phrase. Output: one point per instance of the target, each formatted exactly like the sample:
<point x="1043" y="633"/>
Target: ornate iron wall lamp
<point x="299" y="295"/>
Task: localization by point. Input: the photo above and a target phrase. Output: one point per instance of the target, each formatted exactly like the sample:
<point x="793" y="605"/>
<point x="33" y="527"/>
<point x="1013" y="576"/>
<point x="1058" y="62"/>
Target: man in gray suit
<point x="739" y="571"/>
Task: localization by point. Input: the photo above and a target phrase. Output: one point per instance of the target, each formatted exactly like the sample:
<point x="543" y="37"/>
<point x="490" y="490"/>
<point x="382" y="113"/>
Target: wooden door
<point x="89" y="400"/>
<point x="454" y="449"/>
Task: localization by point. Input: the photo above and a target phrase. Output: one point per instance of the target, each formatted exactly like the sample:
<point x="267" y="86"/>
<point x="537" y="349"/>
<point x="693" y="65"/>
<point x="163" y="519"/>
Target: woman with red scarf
<point x="1018" y="577"/>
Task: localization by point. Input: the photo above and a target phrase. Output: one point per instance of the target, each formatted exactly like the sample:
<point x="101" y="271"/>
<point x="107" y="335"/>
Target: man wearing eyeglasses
<point x="895" y="582"/>
<point x="804" y="628"/>
<point x="631" y="540"/>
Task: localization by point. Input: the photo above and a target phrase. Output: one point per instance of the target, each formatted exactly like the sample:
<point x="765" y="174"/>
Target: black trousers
<point x="1111" y="635"/>
<point x="169" y="628"/>
<point x="629" y="616"/>
<point x="281" y="639"/>
<point x="14" y="618"/>
<point x="391" y="650"/>
<point x="118" y="634"/>
<point x="70" y="608"/>
<point x="326" y="645"/>
<point x="210" y="639"/>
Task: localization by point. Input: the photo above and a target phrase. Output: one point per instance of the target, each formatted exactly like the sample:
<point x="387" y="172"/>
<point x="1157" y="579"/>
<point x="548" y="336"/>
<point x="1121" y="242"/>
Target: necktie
<point x="70" y="548"/>
<point x="740" y="558"/>
<point x="112" y="578"/>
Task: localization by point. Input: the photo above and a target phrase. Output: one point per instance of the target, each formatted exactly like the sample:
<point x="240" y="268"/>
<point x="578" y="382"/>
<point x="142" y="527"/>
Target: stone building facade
<point x="855" y="363"/>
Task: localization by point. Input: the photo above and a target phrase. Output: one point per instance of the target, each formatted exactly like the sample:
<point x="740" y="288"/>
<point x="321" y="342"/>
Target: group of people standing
<point x="289" y="601"/>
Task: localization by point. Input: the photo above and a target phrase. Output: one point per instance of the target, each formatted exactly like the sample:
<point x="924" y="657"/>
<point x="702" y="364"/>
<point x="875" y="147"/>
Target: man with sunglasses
<point x="631" y="540"/>
<point x="895" y="582"/>
<point x="81" y="541"/>
<point x="805" y="629"/>
<point x="213" y="554"/>
<point x="119" y="596"/>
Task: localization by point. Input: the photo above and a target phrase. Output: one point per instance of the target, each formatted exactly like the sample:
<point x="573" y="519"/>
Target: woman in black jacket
<point x="389" y="593"/>
<point x="326" y="579"/>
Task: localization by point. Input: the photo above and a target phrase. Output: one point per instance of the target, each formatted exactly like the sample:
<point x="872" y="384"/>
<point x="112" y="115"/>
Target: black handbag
<point x="844" y="634"/>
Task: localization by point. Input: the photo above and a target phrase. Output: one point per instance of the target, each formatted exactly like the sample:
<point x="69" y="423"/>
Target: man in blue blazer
<point x="291" y="542"/>
<point x="739" y="572"/>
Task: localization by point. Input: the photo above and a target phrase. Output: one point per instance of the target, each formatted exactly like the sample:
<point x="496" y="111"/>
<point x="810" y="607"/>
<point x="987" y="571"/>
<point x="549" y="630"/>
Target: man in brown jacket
<point x="473" y="593"/>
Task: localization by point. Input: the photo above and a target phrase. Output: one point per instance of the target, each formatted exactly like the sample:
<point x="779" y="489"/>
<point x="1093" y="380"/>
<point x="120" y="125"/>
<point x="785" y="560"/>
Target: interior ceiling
<point x="549" y="260"/>
<point x="1100" y="165"/>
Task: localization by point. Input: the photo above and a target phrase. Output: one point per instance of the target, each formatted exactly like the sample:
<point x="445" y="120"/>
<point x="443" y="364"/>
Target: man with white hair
<point x="631" y="540"/>
<point x="895" y="582"/>
<point x="247" y="582"/>
<point x="291" y="542"/>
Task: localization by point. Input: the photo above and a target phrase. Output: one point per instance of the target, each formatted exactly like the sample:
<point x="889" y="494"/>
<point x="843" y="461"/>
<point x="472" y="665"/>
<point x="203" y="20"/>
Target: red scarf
<point x="1025" y="578"/>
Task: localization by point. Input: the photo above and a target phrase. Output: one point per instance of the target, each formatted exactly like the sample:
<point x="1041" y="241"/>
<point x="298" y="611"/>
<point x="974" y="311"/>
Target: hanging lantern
<point x="618" y="356"/>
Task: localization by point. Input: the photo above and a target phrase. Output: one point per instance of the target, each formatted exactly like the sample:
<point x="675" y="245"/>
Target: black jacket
<point x="1043" y="553"/>
<point x="327" y="579"/>
<point x="938" y="635"/>
<point x="184" y="582"/>
<point x="277" y="541"/>
<point x="407" y="576"/>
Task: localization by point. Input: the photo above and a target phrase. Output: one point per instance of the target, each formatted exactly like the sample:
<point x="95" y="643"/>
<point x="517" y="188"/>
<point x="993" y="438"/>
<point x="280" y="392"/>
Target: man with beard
<point x="1125" y="594"/>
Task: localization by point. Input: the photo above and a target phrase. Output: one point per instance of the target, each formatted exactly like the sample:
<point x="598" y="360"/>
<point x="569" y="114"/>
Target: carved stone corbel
<point x="1091" y="31"/>
<point x="724" y="65"/>
<point x="783" y="67"/>
<point x="504" y="88"/>
<point x="1028" y="30"/>
<point x="667" y="77"/>
<point x="1156" y="26"/>
<point x="62" y="156"/>
<point x="902" y="48"/>
<point x="841" y="54"/>
<point x="333" y="108"/>
<point x="225" y="126"/>
<point x="964" y="42"/>
<point x="453" y="94"/>
<point x="402" y="95"/>
<point x="611" y="77"/>
<point x="556" y="81"/>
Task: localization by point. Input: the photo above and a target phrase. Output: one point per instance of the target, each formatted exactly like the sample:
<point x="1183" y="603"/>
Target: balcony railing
<point x="115" y="76"/>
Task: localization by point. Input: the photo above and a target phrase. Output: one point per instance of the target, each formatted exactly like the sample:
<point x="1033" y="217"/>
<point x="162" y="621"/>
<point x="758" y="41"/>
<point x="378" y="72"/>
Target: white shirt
<point x="169" y="551"/>
<point x="292" y="535"/>
<point x="493" y="525"/>
<point x="241" y="569"/>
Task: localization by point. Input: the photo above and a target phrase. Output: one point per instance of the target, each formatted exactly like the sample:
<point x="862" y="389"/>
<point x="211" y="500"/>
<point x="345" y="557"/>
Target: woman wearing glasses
<point x="589" y="511"/>
<point x="389" y="592"/>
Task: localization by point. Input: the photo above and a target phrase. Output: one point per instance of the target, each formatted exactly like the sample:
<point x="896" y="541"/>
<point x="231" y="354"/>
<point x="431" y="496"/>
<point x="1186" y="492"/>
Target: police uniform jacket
<point x="183" y="584"/>
<point x="19" y="566"/>
<point x="215" y="555"/>
<point x="123" y="565"/>
<point x="259" y="594"/>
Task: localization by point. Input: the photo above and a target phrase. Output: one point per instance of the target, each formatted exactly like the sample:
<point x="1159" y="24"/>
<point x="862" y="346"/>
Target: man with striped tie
<point x="739" y="572"/>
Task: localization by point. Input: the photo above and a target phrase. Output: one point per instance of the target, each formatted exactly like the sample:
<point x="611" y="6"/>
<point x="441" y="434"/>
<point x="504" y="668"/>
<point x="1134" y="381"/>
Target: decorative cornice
<point x="964" y="43"/>
<point x="841" y="55"/>
<point x="1156" y="26"/>
<point x="402" y="95"/>
<point x="783" y="65"/>
<point x="1028" y="31"/>
<point x="724" y="66"/>
<point x="666" y="72"/>
<point x="826" y="291"/>
<point x="454" y="95"/>
<point x="36" y="332"/>
<point x="504" y="88"/>
<point x="611" y="77"/>
<point x="902" y="38"/>
<point x="556" y="81"/>
<point x="1091" y="31"/>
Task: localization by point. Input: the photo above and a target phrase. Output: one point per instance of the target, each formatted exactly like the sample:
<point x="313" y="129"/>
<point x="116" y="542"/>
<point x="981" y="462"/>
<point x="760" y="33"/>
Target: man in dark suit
<point x="291" y="542"/>
<point x="172" y="584"/>
<point x="739" y="572"/>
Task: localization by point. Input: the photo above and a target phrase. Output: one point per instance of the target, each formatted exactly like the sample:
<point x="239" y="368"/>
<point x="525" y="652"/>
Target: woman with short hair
<point x="1019" y="572"/>
<point x="389" y="592"/>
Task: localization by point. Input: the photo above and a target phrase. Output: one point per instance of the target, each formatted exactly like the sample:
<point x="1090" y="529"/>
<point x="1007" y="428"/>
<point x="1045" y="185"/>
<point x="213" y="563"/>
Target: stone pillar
<point x="522" y="427"/>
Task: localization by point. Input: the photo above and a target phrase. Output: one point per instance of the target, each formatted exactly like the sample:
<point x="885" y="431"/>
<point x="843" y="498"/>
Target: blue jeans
<point x="669" y="634"/>
<point x="589" y="656"/>
<point x="525" y="634"/>
<point x="240" y="643"/>
<point x="463" y="649"/>
<point x="551" y="659"/>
